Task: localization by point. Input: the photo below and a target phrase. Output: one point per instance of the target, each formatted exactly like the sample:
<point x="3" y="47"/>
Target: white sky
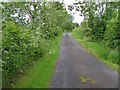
<point x="77" y="17"/>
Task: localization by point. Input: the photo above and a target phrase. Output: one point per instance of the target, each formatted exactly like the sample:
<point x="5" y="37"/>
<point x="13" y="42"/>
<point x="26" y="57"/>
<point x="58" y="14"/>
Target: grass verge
<point x="99" y="50"/>
<point x="39" y="75"/>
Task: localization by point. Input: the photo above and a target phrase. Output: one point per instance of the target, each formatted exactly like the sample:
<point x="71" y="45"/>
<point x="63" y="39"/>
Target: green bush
<point x="113" y="56"/>
<point x="25" y="40"/>
<point x="82" y="32"/>
<point x="97" y="48"/>
<point x="20" y="45"/>
<point x="87" y="32"/>
<point x="111" y="33"/>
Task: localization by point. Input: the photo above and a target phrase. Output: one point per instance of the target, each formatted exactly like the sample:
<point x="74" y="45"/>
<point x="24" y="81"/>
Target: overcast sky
<point x="77" y="17"/>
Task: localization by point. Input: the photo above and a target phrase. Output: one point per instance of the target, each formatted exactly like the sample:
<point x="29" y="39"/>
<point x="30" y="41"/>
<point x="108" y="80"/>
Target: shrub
<point x="20" y="46"/>
<point x="111" y="33"/>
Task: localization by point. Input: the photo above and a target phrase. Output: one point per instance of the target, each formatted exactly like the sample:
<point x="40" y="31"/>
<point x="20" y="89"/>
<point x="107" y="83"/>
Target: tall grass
<point x="99" y="49"/>
<point x="39" y="75"/>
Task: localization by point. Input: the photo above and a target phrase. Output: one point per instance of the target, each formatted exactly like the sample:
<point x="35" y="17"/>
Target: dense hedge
<point x="101" y="25"/>
<point x="25" y="39"/>
<point x="111" y="33"/>
<point x="20" y="46"/>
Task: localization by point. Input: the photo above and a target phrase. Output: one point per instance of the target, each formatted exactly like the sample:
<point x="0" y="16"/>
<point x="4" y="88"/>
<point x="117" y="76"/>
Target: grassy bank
<point x="39" y="75"/>
<point x="104" y="53"/>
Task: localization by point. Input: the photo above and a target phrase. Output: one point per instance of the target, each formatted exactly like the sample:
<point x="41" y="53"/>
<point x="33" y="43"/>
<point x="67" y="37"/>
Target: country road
<point x="76" y="68"/>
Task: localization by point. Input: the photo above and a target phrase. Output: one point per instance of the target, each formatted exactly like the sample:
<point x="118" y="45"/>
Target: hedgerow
<point x="24" y="39"/>
<point x="100" y="25"/>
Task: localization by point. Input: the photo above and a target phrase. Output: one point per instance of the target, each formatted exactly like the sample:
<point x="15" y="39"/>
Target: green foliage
<point x="82" y="32"/>
<point x="79" y="32"/>
<point x="100" y="48"/>
<point x="24" y="39"/>
<point x="105" y="53"/>
<point x="87" y="32"/>
<point x="39" y="75"/>
<point x="97" y="48"/>
<point x="20" y="45"/>
<point x="113" y="56"/>
<point x="111" y="33"/>
<point x="100" y="21"/>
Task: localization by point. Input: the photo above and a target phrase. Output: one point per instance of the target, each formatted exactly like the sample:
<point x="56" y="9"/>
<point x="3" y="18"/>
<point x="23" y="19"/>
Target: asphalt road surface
<point x="76" y="68"/>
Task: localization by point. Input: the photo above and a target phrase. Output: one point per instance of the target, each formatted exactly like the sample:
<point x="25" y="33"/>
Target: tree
<point x="26" y="37"/>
